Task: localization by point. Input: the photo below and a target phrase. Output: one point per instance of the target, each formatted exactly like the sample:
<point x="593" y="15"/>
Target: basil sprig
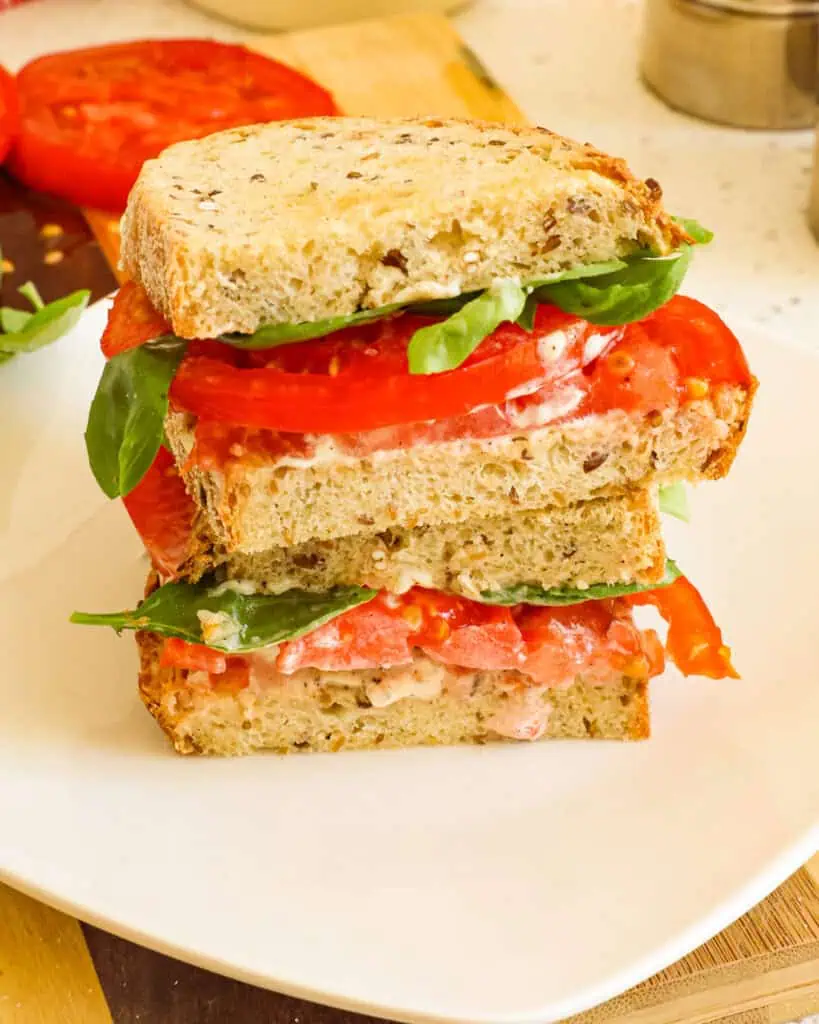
<point x="528" y="593"/>
<point x="127" y="416"/>
<point x="26" y="331"/>
<point x="245" y="622"/>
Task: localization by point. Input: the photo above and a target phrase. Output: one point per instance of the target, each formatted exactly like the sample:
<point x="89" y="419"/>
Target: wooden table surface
<point x="764" y="969"/>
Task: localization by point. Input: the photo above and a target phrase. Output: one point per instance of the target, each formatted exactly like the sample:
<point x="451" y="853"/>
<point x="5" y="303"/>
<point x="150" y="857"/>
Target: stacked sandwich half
<point x="390" y="403"/>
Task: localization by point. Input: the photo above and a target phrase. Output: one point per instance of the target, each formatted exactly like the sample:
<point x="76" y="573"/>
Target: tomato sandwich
<point x="394" y="406"/>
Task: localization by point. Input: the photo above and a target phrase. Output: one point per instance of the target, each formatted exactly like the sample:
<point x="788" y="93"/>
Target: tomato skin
<point x="327" y="403"/>
<point x="163" y="513"/>
<point x="694" y="642"/>
<point x="9" y="112"/>
<point x="356" y="383"/>
<point x="91" y="117"/>
<point x="651" y="366"/>
<point x="132" y="321"/>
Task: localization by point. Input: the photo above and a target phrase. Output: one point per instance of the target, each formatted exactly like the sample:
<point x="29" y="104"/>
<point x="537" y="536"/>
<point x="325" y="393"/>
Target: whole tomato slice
<point x="358" y="379"/>
<point x="9" y="118"/>
<point x="91" y="117"/>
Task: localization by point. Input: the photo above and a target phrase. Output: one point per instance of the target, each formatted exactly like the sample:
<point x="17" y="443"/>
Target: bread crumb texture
<point x="303" y="220"/>
<point x="327" y="711"/>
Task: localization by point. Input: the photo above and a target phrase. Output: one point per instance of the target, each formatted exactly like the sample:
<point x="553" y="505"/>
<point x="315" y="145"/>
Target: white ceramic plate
<point x="496" y="884"/>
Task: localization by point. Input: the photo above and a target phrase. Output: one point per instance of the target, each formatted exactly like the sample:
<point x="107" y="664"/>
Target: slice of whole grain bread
<point x="610" y="540"/>
<point x="253" y="506"/>
<point x="304" y="220"/>
<point x="331" y="711"/>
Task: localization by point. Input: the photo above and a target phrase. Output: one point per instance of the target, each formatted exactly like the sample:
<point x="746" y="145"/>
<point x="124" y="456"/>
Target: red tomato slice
<point x="327" y="386"/>
<point x="163" y="514"/>
<point x="91" y="117"/>
<point x="132" y="321"/>
<point x="359" y="380"/>
<point x="9" y="117"/>
<point x="694" y="642"/>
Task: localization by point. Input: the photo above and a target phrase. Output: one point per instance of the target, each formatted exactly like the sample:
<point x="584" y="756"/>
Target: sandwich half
<point x="389" y="403"/>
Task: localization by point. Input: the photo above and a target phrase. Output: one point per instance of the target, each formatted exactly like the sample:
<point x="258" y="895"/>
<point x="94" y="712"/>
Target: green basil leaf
<point x="126" y="421"/>
<point x="526" y="320"/>
<point x="674" y="501"/>
<point x="244" y="622"/>
<point x="13" y="320"/>
<point x="527" y="593"/>
<point x="46" y="325"/>
<point x="273" y="335"/>
<point x="643" y="285"/>
<point x="582" y="271"/>
<point x="445" y="345"/>
<point x="700" y="234"/>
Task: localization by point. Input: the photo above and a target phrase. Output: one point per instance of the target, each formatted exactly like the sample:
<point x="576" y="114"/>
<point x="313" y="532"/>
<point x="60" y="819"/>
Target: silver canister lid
<point x="747" y="63"/>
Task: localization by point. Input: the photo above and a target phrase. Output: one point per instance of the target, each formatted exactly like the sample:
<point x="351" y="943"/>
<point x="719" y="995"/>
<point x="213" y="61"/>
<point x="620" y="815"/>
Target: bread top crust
<point x="303" y="220"/>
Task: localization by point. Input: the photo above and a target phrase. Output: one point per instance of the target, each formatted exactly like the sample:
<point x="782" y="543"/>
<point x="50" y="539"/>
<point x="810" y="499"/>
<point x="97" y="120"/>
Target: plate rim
<point x="751" y="892"/>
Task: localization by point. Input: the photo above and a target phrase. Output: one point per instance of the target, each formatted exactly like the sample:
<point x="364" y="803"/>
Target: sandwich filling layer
<point x="228" y="638"/>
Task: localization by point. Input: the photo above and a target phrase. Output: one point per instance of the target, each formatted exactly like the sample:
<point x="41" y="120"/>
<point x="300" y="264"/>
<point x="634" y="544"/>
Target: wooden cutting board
<point x="764" y="969"/>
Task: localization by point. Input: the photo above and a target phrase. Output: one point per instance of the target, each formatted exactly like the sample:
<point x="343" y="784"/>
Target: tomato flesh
<point x="132" y="321"/>
<point x="694" y="642"/>
<point x="9" y="116"/>
<point x="597" y="640"/>
<point x="163" y="513"/>
<point x="91" y="117"/>
<point x="355" y="385"/>
<point x="644" y="367"/>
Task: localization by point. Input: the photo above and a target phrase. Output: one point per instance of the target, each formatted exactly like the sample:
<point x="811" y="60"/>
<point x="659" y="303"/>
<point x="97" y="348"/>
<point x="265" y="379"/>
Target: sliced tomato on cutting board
<point x="9" y="116"/>
<point x="89" y="118"/>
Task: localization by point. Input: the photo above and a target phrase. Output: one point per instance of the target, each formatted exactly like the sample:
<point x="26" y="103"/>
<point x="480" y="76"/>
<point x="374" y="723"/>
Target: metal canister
<point x="747" y="63"/>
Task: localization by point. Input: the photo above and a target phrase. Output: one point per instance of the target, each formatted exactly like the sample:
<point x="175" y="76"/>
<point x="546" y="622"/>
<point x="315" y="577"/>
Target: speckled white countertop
<point x="749" y="187"/>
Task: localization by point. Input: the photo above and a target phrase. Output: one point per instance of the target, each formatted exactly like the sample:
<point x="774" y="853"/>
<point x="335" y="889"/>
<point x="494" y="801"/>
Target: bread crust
<point x="318" y="713"/>
<point x="252" y="508"/>
<point x="304" y="220"/>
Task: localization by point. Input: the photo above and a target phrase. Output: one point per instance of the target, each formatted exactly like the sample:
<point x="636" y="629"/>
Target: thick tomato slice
<point x="91" y="117"/>
<point x="163" y="513"/>
<point x="694" y="642"/>
<point x="9" y="117"/>
<point x="132" y="321"/>
<point x="359" y="380"/>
